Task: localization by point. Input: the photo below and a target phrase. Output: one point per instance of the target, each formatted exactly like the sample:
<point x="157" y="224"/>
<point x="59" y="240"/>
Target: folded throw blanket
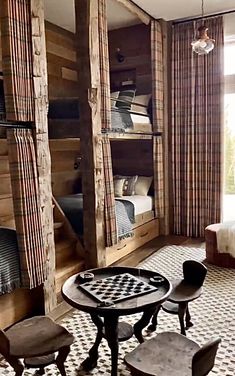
<point x="124" y="225"/>
<point x="9" y="261"/>
<point x="226" y="238"/>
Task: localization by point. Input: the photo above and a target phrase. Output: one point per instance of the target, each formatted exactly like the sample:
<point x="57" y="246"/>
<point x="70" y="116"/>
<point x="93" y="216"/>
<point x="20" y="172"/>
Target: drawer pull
<point x="119" y="249"/>
<point x="143" y="235"/>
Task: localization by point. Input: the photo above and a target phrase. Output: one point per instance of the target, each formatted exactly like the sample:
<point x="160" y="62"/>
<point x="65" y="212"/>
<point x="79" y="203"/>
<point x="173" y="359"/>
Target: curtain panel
<point x="197" y="107"/>
<point x="104" y="66"/>
<point x="157" y="108"/>
<point x="17" y="59"/>
<point x="24" y="181"/>
<point x="109" y="200"/>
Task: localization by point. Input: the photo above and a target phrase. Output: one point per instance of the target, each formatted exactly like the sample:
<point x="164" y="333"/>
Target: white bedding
<point x="141" y="204"/>
<point x="141" y="119"/>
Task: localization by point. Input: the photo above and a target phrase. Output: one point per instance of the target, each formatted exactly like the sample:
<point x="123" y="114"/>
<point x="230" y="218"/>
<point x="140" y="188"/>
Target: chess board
<point x="117" y="288"/>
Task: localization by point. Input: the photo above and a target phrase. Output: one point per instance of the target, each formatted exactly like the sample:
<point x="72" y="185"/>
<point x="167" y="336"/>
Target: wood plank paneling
<point x="132" y="157"/>
<point x="134" y="44"/>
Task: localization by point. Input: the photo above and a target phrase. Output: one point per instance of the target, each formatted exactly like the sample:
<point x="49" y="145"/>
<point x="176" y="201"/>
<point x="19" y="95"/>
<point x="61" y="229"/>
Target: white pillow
<point x="141" y="99"/>
<point x="142" y="185"/>
<point x="114" y="95"/>
<point x="118" y="186"/>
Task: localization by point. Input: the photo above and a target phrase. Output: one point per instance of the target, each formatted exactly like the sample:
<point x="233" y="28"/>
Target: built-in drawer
<point x="142" y="235"/>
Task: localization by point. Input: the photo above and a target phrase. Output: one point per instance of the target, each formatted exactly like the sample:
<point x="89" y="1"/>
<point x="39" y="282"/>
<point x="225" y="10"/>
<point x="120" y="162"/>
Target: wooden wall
<point x="61" y="60"/>
<point x="132" y="157"/>
<point x="65" y="164"/>
<point x="135" y="46"/>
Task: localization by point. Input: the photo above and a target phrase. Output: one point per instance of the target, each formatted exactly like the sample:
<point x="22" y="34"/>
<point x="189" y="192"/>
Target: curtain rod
<point x="199" y="17"/>
<point x="18" y="125"/>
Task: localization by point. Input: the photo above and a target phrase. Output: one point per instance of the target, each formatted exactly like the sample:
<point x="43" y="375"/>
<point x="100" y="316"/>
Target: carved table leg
<point x="153" y="326"/>
<point x="91" y="362"/>
<point x="188" y="321"/>
<point x="111" y="334"/>
<point x="142" y="323"/>
<point x="181" y="313"/>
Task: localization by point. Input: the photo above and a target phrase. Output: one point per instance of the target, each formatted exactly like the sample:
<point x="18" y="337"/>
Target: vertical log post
<point x="90" y="125"/>
<point x="42" y="145"/>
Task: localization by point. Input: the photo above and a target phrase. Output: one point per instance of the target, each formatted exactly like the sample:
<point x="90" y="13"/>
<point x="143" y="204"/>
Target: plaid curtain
<point x="104" y="66"/>
<point x="25" y="191"/>
<point x="197" y="105"/>
<point x="17" y="59"/>
<point x="109" y="201"/>
<point x="157" y="104"/>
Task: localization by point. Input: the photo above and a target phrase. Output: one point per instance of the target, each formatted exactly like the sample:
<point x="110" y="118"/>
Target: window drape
<point x="109" y="200"/>
<point x="24" y="181"/>
<point x="17" y="59"/>
<point x="197" y="106"/>
<point x="157" y="108"/>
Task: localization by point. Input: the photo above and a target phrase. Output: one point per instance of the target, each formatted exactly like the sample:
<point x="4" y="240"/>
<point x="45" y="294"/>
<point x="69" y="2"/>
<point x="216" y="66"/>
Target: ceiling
<point x="61" y="12"/>
<point x="169" y="10"/>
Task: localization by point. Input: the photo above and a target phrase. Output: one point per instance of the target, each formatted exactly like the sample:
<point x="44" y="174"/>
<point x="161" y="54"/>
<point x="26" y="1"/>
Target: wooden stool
<point x="171" y="354"/>
<point x="225" y="260"/>
<point x="36" y="340"/>
<point x="184" y="291"/>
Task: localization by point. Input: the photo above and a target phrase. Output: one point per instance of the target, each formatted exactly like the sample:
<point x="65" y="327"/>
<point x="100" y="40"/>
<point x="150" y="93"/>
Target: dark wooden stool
<point x="184" y="291"/>
<point x="171" y="354"/>
<point x="36" y="340"/>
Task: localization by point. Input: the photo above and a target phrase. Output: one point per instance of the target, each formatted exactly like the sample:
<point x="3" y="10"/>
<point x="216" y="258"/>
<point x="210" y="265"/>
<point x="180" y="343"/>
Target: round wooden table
<point x="106" y="318"/>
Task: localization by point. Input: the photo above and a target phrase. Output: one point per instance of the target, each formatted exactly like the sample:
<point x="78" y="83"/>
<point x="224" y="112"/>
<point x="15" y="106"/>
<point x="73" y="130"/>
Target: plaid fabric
<point x="17" y="59"/>
<point x="109" y="201"/>
<point x="159" y="177"/>
<point x="197" y="105"/>
<point x="104" y="66"/>
<point x="157" y="103"/>
<point x="157" y="75"/>
<point x="26" y="207"/>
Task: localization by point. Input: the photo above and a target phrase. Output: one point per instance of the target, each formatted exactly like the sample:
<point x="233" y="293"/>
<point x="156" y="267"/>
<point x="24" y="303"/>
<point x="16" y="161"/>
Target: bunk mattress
<point x="141" y="204"/>
<point x="72" y="206"/>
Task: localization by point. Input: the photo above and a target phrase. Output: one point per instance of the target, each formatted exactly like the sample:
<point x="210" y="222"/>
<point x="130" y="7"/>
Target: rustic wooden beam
<point x="42" y="145"/>
<point x="137" y="11"/>
<point x="90" y="123"/>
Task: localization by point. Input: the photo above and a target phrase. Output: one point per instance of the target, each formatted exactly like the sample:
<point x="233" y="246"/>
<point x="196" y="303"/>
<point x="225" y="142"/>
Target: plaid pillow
<point x="128" y="184"/>
<point x="126" y="98"/>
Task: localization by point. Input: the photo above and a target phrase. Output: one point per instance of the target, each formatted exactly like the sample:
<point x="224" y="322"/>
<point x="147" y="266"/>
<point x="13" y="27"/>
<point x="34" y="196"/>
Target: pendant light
<point x="203" y="44"/>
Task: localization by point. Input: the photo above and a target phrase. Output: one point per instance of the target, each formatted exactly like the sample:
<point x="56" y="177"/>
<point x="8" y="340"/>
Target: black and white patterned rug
<point x="213" y="315"/>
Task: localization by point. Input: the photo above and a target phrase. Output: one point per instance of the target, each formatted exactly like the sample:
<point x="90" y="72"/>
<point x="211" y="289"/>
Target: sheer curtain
<point x="197" y="124"/>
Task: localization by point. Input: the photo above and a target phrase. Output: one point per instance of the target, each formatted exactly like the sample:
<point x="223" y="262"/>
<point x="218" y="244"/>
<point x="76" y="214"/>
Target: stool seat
<point x="213" y="256"/>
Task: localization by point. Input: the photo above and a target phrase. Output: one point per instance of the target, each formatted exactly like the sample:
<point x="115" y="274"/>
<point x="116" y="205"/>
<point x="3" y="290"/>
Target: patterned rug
<point x="212" y="314"/>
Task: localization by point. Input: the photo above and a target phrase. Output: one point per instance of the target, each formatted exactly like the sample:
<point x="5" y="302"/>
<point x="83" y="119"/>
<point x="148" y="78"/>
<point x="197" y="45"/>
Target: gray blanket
<point x="9" y="261"/>
<point x="120" y="120"/>
<point x="124" y="224"/>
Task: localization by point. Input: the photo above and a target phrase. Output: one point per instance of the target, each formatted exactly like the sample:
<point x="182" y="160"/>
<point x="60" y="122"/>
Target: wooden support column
<point x="42" y="145"/>
<point x="90" y="123"/>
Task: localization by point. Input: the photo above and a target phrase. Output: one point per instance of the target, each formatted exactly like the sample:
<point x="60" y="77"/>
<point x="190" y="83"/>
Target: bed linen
<point x="141" y="203"/>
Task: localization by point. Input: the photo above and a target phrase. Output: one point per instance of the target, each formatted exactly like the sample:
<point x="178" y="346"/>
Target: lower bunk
<point x="136" y="223"/>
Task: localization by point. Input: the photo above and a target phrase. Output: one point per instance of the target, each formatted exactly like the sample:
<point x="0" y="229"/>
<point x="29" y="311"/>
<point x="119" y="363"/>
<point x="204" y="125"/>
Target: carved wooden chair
<point x="184" y="291"/>
<point x="172" y="354"/>
<point x="36" y="340"/>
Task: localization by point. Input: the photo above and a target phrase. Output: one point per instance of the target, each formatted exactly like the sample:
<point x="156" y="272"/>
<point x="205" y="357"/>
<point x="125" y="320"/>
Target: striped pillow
<point x="126" y="98"/>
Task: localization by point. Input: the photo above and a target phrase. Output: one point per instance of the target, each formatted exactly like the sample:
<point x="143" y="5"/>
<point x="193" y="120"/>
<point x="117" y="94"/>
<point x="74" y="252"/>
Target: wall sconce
<point x="120" y="58"/>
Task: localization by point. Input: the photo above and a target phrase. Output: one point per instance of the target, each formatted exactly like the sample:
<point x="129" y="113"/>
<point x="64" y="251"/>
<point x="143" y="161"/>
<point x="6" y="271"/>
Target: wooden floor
<point x="154" y="245"/>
